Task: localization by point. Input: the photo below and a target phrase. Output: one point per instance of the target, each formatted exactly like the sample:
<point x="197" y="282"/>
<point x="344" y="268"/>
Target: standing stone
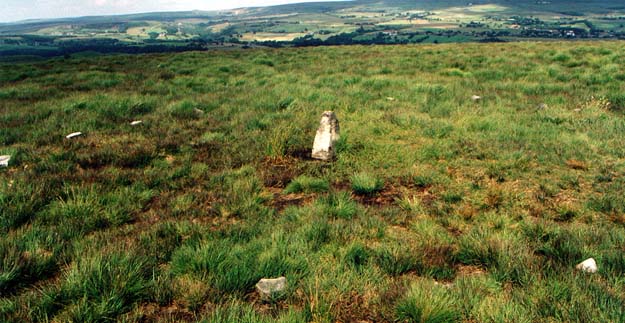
<point x="589" y="265"/>
<point x="271" y="288"/>
<point x="4" y="160"/>
<point x="327" y="135"/>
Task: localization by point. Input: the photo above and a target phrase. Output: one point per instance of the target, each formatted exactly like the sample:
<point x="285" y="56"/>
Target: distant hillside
<point x="323" y="23"/>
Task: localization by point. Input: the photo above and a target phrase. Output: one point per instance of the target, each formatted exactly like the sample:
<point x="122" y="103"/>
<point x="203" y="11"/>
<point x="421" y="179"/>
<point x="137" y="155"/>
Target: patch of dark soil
<point x="393" y="190"/>
<point x="387" y="196"/>
<point x="469" y="270"/>
<point x="428" y="200"/>
<point x="342" y="186"/>
<point x="356" y="308"/>
<point x="171" y="313"/>
<point x="95" y="160"/>
<point x="158" y="202"/>
<point x="279" y="171"/>
<point x="390" y="297"/>
<point x="266" y="308"/>
<point x="456" y="232"/>
<point x="576" y="164"/>
<point x="410" y="183"/>
<point x="436" y="255"/>
<point x="301" y="154"/>
<point x="215" y="156"/>
<point x="282" y="201"/>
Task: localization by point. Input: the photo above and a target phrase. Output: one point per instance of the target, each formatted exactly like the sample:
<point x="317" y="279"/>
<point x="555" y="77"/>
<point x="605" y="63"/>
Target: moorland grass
<point x="365" y="184"/>
<point x="305" y="184"/>
<point x="483" y="208"/>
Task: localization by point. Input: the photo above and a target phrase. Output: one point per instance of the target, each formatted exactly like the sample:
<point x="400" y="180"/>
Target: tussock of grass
<point x="396" y="260"/>
<point x="160" y="242"/>
<point x="118" y="111"/>
<point x="234" y="268"/>
<point x="427" y="303"/>
<point x="105" y="285"/>
<point x="365" y="184"/>
<point x="22" y="263"/>
<point x="241" y="194"/>
<point x="337" y="205"/>
<point x="184" y="110"/>
<point x="318" y="233"/>
<point x="228" y="269"/>
<point x="504" y="255"/>
<point x="20" y="202"/>
<point x="305" y="184"/>
<point x="357" y="255"/>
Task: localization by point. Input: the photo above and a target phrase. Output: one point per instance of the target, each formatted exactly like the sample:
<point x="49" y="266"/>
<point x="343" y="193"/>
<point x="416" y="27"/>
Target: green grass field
<point x="437" y="208"/>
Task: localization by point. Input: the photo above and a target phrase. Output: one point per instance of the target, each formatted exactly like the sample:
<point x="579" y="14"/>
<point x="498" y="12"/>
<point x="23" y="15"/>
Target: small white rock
<point x="269" y="288"/>
<point x="390" y="98"/>
<point x="577" y="110"/>
<point x="137" y="122"/>
<point x="73" y="135"/>
<point x="198" y="111"/>
<point x="4" y="160"/>
<point x="476" y="98"/>
<point x="589" y="265"/>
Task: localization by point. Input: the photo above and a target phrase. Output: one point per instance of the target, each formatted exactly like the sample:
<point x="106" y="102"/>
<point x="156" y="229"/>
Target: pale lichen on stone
<point x="327" y="135"/>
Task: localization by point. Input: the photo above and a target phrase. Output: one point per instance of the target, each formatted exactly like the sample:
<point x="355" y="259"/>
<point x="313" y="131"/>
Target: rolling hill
<point x="325" y="23"/>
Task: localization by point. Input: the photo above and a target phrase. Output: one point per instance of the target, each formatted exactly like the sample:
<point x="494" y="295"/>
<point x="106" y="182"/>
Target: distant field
<point x="438" y="208"/>
<point x="327" y="23"/>
<point x="271" y="36"/>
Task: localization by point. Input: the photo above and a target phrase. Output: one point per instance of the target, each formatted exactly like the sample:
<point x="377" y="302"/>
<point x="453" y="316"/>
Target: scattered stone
<point x="578" y="110"/>
<point x="476" y="98"/>
<point x="135" y="123"/>
<point x="542" y="106"/>
<point x="4" y="160"/>
<point x="271" y="288"/>
<point x="73" y="135"/>
<point x="327" y="135"/>
<point x="390" y="98"/>
<point x="589" y="265"/>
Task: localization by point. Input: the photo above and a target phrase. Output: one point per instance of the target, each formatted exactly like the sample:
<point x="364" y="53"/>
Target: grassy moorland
<point x="437" y="208"/>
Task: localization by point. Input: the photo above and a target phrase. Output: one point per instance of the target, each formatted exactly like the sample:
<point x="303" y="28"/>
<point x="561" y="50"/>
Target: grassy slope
<point x="481" y="208"/>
